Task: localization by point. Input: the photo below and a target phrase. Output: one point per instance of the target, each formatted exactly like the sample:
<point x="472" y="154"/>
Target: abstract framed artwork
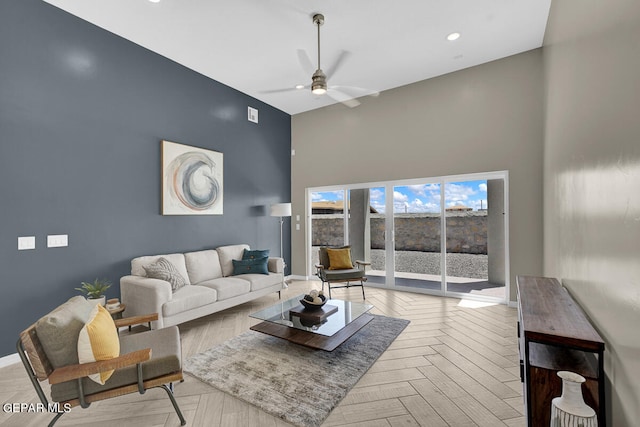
<point x="192" y="180"/>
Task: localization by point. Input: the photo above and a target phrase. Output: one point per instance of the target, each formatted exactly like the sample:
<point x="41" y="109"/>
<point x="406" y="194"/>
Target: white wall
<point x="482" y="119"/>
<point x="592" y="178"/>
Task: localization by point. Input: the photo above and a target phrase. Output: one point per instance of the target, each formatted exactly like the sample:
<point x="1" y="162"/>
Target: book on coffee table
<point x="317" y="316"/>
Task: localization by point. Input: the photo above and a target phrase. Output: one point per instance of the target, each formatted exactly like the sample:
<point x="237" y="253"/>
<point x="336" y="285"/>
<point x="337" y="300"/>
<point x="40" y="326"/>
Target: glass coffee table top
<point x="327" y="321"/>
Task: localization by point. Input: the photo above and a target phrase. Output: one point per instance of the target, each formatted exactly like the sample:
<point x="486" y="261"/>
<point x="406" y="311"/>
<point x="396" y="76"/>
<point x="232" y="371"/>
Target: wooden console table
<point x="555" y="335"/>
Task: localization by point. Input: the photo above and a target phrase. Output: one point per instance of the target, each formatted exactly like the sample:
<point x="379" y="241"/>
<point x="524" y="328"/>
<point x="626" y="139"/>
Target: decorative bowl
<point x="311" y="306"/>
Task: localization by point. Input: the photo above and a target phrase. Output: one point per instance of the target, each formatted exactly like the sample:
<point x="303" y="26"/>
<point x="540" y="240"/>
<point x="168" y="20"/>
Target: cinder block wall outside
<point x="466" y="232"/>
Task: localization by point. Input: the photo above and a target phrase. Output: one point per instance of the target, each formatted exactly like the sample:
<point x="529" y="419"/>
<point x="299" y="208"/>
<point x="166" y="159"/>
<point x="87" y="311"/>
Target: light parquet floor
<point x="452" y="366"/>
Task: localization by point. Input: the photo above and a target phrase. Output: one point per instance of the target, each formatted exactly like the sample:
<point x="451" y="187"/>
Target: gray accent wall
<point x="82" y="114"/>
<point x="592" y="179"/>
<point x="482" y="119"/>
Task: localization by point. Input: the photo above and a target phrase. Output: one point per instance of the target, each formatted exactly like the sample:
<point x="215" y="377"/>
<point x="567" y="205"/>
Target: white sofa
<point x="211" y="285"/>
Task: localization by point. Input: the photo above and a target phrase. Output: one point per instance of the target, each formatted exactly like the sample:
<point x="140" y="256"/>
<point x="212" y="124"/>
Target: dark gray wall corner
<point x="82" y="113"/>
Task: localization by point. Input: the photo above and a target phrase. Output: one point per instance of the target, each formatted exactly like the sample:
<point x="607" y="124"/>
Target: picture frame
<point x="192" y="180"/>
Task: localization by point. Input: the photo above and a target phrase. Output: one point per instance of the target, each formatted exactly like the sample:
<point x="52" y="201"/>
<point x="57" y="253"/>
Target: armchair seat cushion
<point x="165" y="358"/>
<point x="346" y="274"/>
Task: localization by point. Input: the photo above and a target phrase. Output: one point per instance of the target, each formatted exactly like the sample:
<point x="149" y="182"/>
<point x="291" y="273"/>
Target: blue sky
<point x="422" y="197"/>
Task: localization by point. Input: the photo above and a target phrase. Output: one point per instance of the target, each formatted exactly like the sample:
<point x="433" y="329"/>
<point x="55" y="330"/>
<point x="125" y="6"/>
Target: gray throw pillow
<point x="163" y="269"/>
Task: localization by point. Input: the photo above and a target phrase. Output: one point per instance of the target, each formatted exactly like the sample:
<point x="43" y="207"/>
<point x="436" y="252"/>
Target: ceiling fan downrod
<point x="319" y="79"/>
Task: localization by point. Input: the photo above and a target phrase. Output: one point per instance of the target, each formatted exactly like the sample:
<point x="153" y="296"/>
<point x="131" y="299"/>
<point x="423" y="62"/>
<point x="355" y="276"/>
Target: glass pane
<point x="288" y="313"/>
<point x="327" y="221"/>
<point x="467" y="214"/>
<point x="416" y="210"/>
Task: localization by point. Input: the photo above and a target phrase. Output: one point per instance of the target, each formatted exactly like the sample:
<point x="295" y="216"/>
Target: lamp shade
<point x="281" y="209"/>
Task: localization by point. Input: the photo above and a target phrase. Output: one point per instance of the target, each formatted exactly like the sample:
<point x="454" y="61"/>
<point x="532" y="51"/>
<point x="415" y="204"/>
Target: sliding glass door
<point x="445" y="236"/>
<point x="417" y="223"/>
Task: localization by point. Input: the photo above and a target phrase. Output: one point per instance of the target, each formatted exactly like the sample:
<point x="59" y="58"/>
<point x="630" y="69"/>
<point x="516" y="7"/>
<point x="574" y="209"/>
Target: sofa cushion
<point x="98" y="340"/>
<point x="187" y="298"/>
<point x="261" y="281"/>
<point x="137" y="264"/>
<point x="228" y="287"/>
<point x="163" y="269"/>
<point x="229" y="253"/>
<point x="58" y="331"/>
<point x="203" y="265"/>
<point x="250" y="266"/>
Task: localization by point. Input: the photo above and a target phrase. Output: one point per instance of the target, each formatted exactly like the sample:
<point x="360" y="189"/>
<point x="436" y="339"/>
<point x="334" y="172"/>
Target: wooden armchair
<point x="147" y="359"/>
<point x="336" y="266"/>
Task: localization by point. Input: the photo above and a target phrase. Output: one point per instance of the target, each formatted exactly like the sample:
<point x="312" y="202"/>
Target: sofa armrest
<point x="276" y="265"/>
<point x="144" y="295"/>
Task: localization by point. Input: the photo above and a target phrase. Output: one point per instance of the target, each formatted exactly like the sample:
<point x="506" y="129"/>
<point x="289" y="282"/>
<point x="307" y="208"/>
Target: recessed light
<point x="453" y="36"/>
<point x="299" y="86"/>
<point x="154" y="1"/>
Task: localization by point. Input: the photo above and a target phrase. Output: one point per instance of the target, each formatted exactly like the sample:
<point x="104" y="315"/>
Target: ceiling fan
<point x="343" y="94"/>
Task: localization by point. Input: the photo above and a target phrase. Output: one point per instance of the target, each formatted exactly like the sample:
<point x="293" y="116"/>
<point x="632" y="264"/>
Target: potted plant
<point x="95" y="291"/>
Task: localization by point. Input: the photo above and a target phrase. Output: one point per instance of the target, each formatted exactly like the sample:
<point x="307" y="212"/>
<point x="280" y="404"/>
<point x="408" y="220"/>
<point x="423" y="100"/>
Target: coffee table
<point x="323" y="329"/>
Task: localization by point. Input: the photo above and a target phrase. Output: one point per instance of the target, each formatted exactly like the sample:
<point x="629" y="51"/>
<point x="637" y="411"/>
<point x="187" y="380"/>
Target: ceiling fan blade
<point x="343" y="98"/>
<point x="338" y="63"/>
<point x="357" y="91"/>
<point x="305" y="62"/>
<point x="290" y="89"/>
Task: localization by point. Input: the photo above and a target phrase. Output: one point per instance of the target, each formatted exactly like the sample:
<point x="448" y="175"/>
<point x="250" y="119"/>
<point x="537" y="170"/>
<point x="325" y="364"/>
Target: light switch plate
<point x="57" y="240"/>
<point x="26" y="243"/>
<point x="252" y="114"/>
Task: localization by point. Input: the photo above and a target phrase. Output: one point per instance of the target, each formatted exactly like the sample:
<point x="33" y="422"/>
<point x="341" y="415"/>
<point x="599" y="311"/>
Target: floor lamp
<point x="281" y="210"/>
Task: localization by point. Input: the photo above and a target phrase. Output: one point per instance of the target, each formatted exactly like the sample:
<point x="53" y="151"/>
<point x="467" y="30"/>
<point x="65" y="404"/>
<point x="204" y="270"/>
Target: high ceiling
<point x="253" y="45"/>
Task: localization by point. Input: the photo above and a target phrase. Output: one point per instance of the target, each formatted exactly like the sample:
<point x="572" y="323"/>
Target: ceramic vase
<point x="569" y="410"/>
<point x="102" y="300"/>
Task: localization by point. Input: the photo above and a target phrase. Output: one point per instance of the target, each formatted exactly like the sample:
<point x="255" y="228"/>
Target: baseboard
<point x="9" y="360"/>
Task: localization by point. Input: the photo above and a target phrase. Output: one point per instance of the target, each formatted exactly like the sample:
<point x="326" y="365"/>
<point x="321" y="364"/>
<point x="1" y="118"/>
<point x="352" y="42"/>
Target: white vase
<point x="102" y="300"/>
<point x="569" y="410"/>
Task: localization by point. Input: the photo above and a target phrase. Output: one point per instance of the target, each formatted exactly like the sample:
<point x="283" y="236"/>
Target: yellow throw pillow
<point x="339" y="259"/>
<point x="98" y="340"/>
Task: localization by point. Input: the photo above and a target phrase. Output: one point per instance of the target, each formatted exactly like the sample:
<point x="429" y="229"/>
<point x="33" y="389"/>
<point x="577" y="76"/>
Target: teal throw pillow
<point x="250" y="266"/>
<point x="257" y="254"/>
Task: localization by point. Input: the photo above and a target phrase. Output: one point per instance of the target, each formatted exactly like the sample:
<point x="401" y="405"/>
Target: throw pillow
<point x="163" y="269"/>
<point x="255" y="254"/>
<point x="251" y="266"/>
<point x="339" y="259"/>
<point x="98" y="340"/>
<point x="324" y="257"/>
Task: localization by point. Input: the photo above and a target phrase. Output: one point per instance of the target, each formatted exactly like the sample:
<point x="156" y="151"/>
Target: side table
<point x="116" y="313"/>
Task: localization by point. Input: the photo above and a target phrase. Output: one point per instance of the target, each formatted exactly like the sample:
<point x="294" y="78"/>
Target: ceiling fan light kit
<point x="319" y="83"/>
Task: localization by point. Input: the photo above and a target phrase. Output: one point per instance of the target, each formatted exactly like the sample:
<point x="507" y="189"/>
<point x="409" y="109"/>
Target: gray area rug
<point x="297" y="384"/>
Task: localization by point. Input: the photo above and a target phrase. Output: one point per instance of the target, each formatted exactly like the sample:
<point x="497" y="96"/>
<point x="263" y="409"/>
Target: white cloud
<point x="324" y="196"/>
<point x="398" y="197"/>
<point x="483" y="187"/>
<point x="458" y="194"/>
